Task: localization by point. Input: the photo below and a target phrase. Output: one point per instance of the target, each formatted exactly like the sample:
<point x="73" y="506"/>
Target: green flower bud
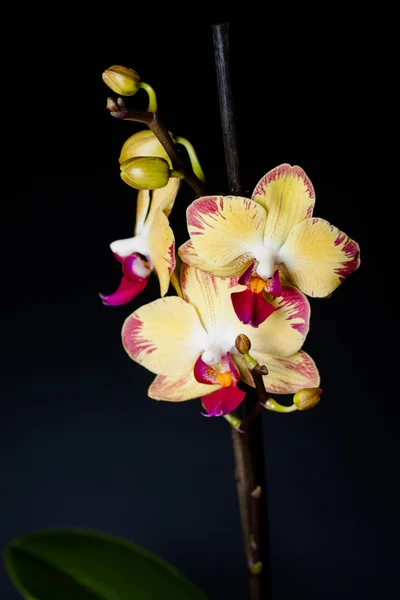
<point x="145" y="172"/>
<point x="122" y="81"/>
<point x="143" y="143"/>
<point x="307" y="398"/>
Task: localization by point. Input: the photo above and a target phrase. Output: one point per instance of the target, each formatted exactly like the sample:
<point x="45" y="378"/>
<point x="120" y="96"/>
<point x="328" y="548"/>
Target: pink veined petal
<point x="178" y="389"/>
<point x="274" y="285"/>
<point x="244" y="278"/>
<point x="210" y="297"/>
<point x="204" y="373"/>
<point x="250" y="308"/>
<point x="190" y="257"/>
<point x="286" y="375"/>
<point x="223" y="401"/>
<point x="287" y="195"/>
<point x="133" y="267"/>
<point x="318" y="257"/>
<point x="290" y="374"/>
<point x="126" y="291"/>
<point x="165" y="336"/>
<point x="284" y="332"/>
<point x="223" y="228"/>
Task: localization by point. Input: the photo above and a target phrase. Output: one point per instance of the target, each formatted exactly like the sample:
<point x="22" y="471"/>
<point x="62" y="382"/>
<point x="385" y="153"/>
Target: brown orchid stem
<point x="222" y="66"/>
<point x="248" y="447"/>
<point x="152" y="120"/>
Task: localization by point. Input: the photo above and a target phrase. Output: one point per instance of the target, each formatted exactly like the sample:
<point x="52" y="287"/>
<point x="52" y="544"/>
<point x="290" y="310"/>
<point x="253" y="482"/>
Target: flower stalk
<point x="154" y="123"/>
<point x="248" y="447"/>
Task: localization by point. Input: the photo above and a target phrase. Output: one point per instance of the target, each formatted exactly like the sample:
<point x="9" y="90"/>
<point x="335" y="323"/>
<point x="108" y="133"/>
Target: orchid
<point x="189" y="343"/>
<point x="238" y="320"/>
<point x="151" y="249"/>
<point x="270" y="240"/>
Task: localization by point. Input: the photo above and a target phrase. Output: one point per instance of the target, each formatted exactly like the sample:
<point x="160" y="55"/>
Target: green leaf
<point x="87" y="565"/>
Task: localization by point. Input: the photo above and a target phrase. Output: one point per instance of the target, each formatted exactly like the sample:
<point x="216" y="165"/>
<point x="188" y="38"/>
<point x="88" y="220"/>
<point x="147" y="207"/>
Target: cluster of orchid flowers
<point x="246" y="269"/>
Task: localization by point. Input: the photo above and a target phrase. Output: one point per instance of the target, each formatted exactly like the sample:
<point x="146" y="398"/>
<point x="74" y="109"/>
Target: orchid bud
<point x="143" y="143"/>
<point x="145" y="172"/>
<point x="122" y="81"/>
<point x="112" y="105"/>
<point x="242" y="344"/>
<point x="307" y="398"/>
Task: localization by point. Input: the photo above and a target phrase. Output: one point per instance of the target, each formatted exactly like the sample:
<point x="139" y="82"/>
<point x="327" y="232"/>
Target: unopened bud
<point x="143" y="143"/>
<point x="307" y="398"/>
<point x="122" y="80"/>
<point x="112" y="105"/>
<point x="145" y="172"/>
<point x="242" y="344"/>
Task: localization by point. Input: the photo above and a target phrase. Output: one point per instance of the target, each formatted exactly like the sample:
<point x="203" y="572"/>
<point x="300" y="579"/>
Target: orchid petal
<point x="161" y="243"/>
<point x="288" y="196"/>
<point x="164" y="198"/>
<point x="189" y="256"/>
<point x="290" y="374"/>
<point x="142" y="208"/>
<point x="126" y="291"/>
<point x="318" y="257"/>
<point x="285" y="375"/>
<point x="223" y="401"/>
<point x="222" y="228"/>
<point x="176" y="276"/>
<point x="165" y="336"/>
<point x="285" y="330"/>
<point x="210" y="296"/>
<point x="251" y="308"/>
<point x="178" y="389"/>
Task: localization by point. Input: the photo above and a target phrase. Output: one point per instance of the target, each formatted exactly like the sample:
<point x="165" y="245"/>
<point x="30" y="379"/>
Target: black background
<point x="81" y="444"/>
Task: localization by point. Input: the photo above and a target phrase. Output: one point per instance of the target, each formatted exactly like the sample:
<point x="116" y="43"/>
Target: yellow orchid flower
<point x="189" y="343"/>
<point x="151" y="248"/>
<point x="269" y="240"/>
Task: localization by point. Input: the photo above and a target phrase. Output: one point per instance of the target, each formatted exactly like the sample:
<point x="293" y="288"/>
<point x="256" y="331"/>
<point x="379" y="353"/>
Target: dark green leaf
<point x="87" y="565"/>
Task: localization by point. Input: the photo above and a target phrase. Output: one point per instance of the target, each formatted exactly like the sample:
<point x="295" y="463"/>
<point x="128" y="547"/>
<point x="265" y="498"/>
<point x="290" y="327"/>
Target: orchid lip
<point x="128" y="246"/>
